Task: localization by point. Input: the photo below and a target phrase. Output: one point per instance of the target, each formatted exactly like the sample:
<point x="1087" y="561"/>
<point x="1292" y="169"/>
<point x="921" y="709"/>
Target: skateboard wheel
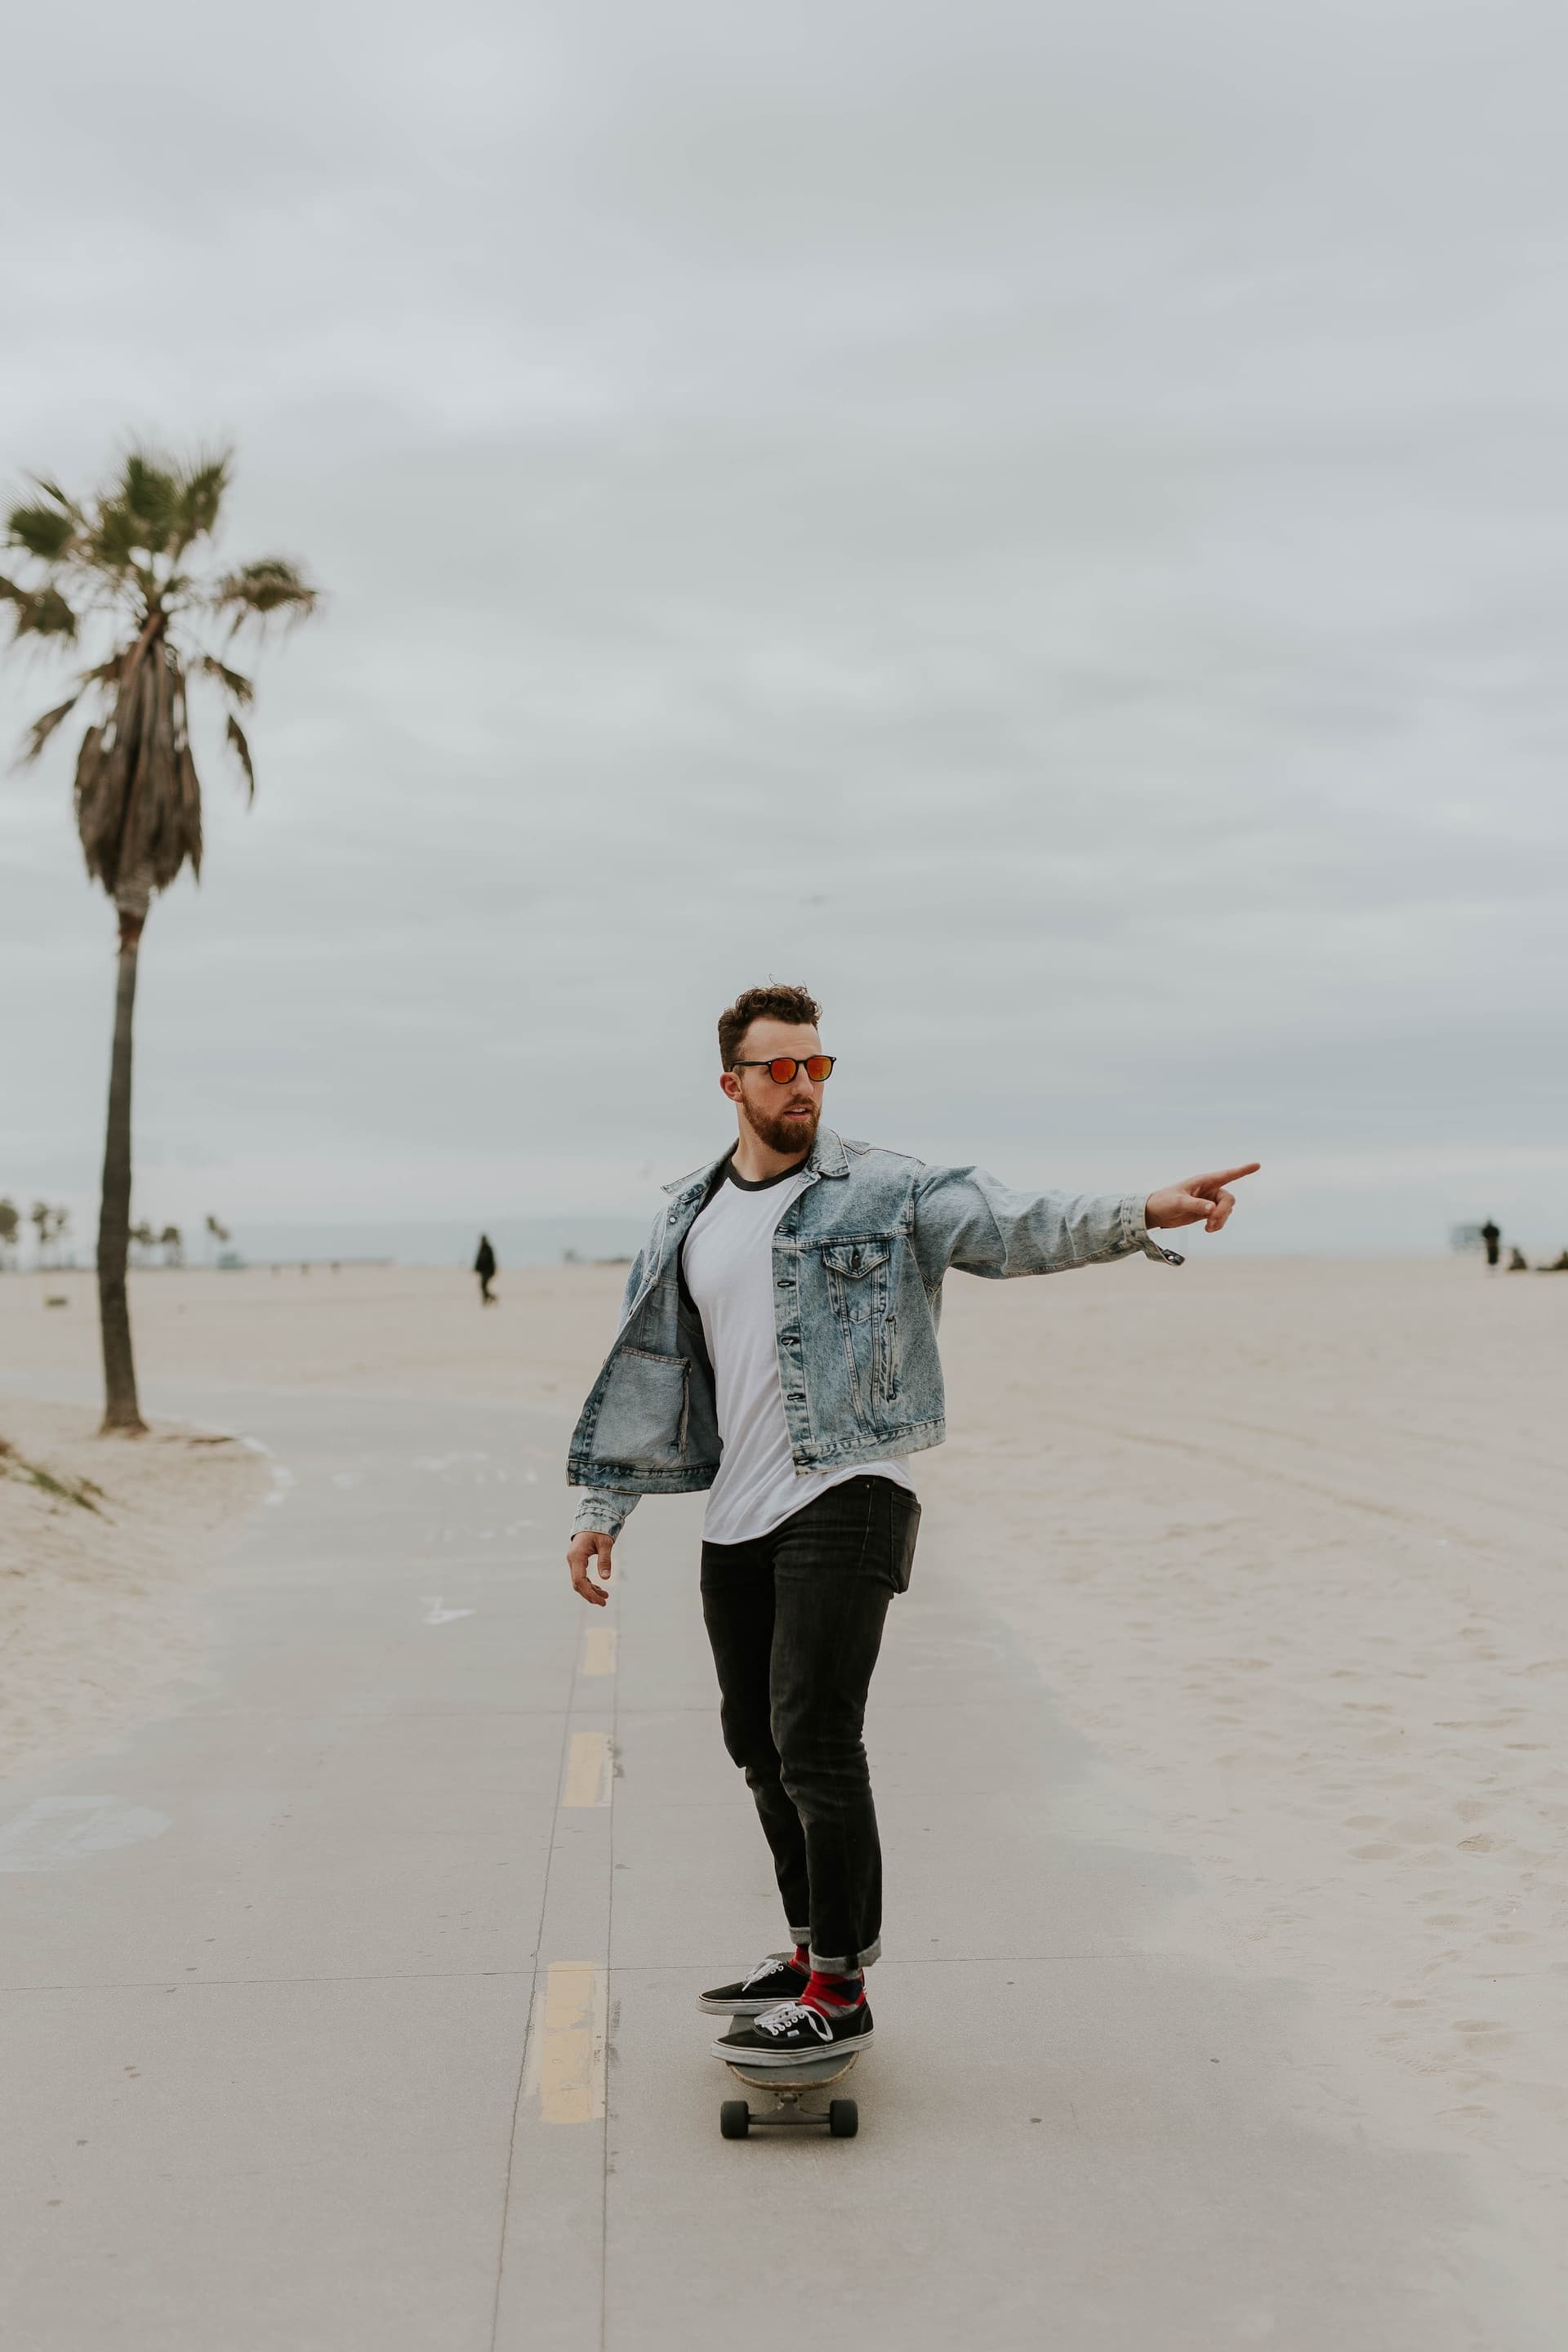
<point x="736" y="2118"/>
<point x="843" y="2119"/>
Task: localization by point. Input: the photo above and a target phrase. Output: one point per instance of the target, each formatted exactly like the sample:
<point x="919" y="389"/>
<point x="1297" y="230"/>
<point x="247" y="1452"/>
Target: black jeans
<point x="796" y="1621"/>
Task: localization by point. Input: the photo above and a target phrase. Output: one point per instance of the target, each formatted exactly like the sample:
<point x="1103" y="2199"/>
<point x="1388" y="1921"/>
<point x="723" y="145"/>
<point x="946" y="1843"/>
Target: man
<point x="778" y="1347"/>
<point x="485" y="1267"/>
<point x="1491" y="1235"/>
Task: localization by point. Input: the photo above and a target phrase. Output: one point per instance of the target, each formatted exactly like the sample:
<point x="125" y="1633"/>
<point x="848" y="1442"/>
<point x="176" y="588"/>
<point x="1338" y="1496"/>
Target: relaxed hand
<point x="1197" y="1200"/>
<point x="580" y="1554"/>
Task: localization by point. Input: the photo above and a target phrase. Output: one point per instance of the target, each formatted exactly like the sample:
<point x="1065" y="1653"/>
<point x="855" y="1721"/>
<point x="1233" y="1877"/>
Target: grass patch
<point x="80" y="1491"/>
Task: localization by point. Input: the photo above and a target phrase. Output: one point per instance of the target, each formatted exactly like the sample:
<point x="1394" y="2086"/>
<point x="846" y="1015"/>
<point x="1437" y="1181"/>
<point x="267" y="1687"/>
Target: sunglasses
<point x="816" y="1066"/>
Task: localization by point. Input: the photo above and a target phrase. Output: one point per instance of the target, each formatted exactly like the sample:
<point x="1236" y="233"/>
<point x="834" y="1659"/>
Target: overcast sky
<point x="1047" y="523"/>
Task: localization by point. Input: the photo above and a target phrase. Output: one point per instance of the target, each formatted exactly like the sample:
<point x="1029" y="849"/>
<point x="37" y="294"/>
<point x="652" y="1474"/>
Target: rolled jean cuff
<point x="802" y="1938"/>
<point x="842" y="1964"/>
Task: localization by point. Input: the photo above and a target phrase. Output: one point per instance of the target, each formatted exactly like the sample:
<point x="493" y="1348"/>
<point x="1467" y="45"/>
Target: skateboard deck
<point x="806" y="2075"/>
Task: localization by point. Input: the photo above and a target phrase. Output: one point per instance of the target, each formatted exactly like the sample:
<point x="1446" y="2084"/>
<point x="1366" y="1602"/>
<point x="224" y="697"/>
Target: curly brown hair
<point x="777" y="1002"/>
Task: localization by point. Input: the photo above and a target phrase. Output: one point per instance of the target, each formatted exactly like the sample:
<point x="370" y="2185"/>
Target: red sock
<point x="828" y="1992"/>
<point x="802" y="1959"/>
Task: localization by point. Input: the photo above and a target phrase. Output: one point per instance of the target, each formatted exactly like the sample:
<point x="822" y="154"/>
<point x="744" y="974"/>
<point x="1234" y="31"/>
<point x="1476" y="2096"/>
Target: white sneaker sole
<point x="744" y="2007"/>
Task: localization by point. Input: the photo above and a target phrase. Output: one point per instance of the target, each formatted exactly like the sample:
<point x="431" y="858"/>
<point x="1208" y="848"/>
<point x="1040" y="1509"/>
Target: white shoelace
<point x="768" y="1968"/>
<point x="794" y="2012"/>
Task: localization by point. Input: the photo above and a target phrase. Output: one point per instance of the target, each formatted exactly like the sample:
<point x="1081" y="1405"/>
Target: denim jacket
<point x="859" y="1262"/>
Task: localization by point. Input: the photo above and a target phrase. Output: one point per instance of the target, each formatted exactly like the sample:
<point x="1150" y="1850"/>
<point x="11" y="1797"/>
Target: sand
<point x="1283" y="1537"/>
<point x="1286" y="1539"/>
<point x="105" y="1548"/>
<point x="373" y="1330"/>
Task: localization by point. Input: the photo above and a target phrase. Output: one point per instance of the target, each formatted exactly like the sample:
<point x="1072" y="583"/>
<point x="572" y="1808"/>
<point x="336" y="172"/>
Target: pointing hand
<point x="1197" y="1200"/>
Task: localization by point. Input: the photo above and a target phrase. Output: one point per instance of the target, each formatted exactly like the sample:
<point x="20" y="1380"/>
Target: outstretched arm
<point x="967" y="1219"/>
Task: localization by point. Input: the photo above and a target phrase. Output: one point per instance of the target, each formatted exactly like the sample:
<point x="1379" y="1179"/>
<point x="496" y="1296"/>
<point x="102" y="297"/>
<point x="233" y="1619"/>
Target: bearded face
<point x="788" y="1126"/>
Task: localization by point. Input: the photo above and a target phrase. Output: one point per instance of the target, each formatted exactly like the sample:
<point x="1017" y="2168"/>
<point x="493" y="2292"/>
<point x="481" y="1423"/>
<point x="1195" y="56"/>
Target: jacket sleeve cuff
<point x="602" y="1514"/>
<point x="1136" y="1233"/>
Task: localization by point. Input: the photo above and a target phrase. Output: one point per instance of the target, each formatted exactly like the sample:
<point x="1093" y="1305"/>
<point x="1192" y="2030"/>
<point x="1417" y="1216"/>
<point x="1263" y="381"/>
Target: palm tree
<point x="124" y="572"/>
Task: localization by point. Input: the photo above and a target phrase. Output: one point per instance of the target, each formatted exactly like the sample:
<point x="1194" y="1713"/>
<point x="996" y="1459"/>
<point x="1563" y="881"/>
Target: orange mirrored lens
<point x="818" y="1067"/>
<point x="781" y="1072"/>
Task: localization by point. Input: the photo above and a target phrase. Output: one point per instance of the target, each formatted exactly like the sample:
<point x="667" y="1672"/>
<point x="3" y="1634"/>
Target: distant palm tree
<point x="117" y="569"/>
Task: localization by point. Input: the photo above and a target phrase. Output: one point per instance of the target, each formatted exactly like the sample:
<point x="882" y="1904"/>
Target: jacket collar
<point x="827" y="1157"/>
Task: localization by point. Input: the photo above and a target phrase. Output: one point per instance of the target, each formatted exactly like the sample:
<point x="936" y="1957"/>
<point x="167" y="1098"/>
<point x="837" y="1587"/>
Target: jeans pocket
<point x="906" y="1526"/>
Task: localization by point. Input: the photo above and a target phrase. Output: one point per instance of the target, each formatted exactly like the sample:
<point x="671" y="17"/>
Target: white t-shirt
<point x="728" y="1261"/>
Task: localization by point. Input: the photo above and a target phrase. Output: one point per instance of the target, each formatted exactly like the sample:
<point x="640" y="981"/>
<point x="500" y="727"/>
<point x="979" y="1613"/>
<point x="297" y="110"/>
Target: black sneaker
<point x="785" y="2035"/>
<point x="773" y="1981"/>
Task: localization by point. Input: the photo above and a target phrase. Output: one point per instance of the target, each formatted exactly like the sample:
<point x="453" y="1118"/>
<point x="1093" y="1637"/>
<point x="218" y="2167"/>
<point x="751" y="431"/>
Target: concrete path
<point x="353" y="2007"/>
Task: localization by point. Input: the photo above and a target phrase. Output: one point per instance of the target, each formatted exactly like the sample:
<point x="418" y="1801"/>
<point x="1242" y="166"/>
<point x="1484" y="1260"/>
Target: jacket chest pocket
<point x="857" y="1277"/>
<point x="858" y="1274"/>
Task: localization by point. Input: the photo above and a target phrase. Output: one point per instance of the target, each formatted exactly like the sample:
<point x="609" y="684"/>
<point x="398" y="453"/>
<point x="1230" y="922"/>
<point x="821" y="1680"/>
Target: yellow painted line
<point x="587" y="1769"/>
<point x="598" y="1650"/>
<point x="566" y="2049"/>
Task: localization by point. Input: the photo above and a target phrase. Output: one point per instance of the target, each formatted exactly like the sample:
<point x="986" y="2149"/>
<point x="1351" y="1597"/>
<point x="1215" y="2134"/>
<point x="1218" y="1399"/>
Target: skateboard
<point x="791" y="2086"/>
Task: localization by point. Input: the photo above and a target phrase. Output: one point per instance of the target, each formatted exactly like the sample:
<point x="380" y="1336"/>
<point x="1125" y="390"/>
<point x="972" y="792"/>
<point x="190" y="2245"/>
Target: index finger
<point x="1227" y="1175"/>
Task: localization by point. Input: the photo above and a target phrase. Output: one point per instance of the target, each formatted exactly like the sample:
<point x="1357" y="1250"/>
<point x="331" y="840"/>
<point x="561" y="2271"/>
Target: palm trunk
<point x="121" y="1412"/>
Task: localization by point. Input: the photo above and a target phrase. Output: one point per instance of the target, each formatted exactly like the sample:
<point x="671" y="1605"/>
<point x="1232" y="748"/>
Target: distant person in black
<point x="1517" y="1261"/>
<point x="485" y="1267"/>
<point x="1492" y="1236"/>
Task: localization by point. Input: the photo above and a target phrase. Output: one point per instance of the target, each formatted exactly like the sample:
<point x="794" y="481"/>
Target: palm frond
<point x="158" y="834"/>
<point x="94" y="816"/>
<point x="138" y="803"/>
<point x="202" y="487"/>
<point x="39" y="732"/>
<point x="241" y="750"/>
<point x="54" y="493"/>
<point x="264" y="591"/>
<point x="115" y="536"/>
<point x="46" y="531"/>
<point x="150" y="492"/>
<point x="188" y="785"/>
<point x="238" y="687"/>
<point x="40" y="612"/>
